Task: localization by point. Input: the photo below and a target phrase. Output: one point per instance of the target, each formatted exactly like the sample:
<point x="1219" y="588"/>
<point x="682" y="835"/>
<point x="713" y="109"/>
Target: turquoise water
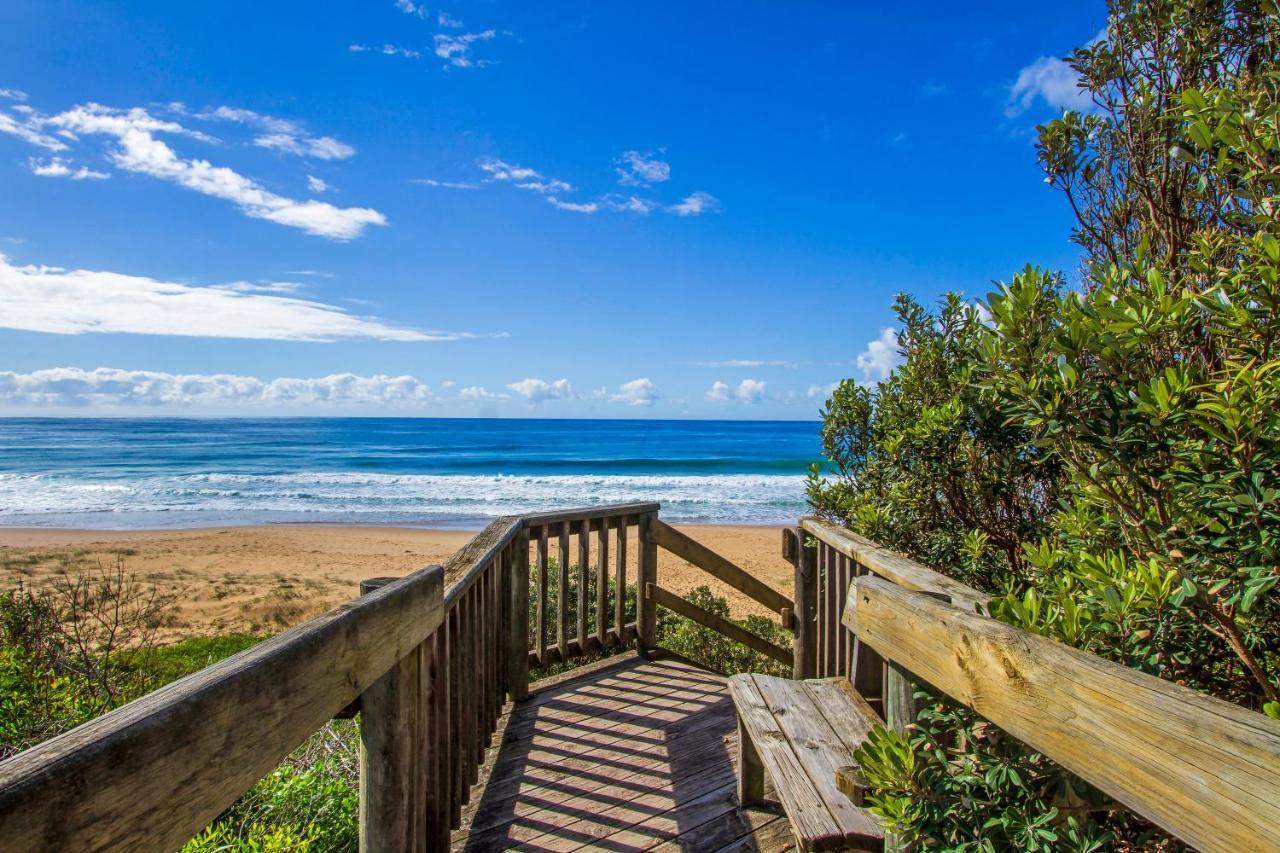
<point x="163" y="472"/>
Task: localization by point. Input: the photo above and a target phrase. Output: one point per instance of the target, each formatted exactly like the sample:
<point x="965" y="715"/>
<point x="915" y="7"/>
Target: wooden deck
<point x="630" y="755"/>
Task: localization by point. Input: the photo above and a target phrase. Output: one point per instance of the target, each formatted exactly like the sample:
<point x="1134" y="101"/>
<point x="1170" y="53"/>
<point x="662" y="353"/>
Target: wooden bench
<point x="803" y="734"/>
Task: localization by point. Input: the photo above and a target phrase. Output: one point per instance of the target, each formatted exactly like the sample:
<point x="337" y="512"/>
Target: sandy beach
<point x="266" y="578"/>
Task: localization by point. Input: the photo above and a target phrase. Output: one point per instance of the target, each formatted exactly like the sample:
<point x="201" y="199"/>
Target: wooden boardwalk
<point x="631" y="755"/>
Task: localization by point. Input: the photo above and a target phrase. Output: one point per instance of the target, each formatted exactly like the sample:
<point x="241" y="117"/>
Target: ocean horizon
<point x="151" y="473"/>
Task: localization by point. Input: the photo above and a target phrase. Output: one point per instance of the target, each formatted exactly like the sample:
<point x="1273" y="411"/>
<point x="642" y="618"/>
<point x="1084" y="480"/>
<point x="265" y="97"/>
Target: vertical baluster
<point x="443" y="784"/>
<point x="806" y="590"/>
<point x="868" y="667"/>
<point x="429" y="793"/>
<point x="484" y="674"/>
<point x="620" y="583"/>
<point x="842" y="633"/>
<point x="562" y="594"/>
<point x="832" y="614"/>
<point x="602" y="583"/>
<point x="467" y="683"/>
<point x="478" y="675"/>
<point x="518" y="653"/>
<point x="646" y="574"/>
<point x="542" y="596"/>
<point x="456" y="706"/>
<point x="584" y="558"/>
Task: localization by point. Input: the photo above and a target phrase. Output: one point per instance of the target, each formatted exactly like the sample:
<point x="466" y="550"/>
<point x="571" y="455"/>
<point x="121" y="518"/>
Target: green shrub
<point x="713" y="649"/>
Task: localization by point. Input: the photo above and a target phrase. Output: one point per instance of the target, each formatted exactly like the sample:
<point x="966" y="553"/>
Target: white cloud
<point x="822" y="391"/>
<point x="452" y="185"/>
<point x="444" y="19"/>
<point x="576" y="207"/>
<point x="69" y="302"/>
<point x="138" y="150"/>
<point x="13" y="94"/>
<point x="1053" y="81"/>
<point x="316" y="185"/>
<point x="539" y="390"/>
<point x="282" y="134"/>
<point x="480" y="394"/>
<point x="880" y="357"/>
<point x="106" y="386"/>
<point x="695" y="204"/>
<point x="630" y="204"/>
<point x="637" y="392"/>
<point x="58" y="167"/>
<point x="747" y="362"/>
<point x="522" y="176"/>
<point x="29" y="131"/>
<point x="386" y="50"/>
<point x="456" y="50"/>
<point x="411" y="8"/>
<point x="747" y="391"/>
<point x="640" y="169"/>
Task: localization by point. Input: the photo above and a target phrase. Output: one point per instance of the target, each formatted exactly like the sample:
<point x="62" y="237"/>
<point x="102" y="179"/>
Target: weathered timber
<point x="646" y="573"/>
<point x="391" y="790"/>
<point x="562" y="590"/>
<point x="620" y="580"/>
<point x="584" y="562"/>
<point x="540" y="641"/>
<point x="694" y="552"/>
<point x="676" y="604"/>
<point x="903" y="571"/>
<point x="801" y="753"/>
<point x="1203" y="769"/>
<point x="518" y="630"/>
<point x="468" y="562"/>
<point x="593" y="514"/>
<point x="156" y="771"/>
<point x="602" y="585"/>
<point x="804" y="624"/>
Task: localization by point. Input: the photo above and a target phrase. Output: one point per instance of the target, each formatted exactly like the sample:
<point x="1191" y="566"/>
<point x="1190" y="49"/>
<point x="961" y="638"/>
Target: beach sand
<point x="266" y="578"/>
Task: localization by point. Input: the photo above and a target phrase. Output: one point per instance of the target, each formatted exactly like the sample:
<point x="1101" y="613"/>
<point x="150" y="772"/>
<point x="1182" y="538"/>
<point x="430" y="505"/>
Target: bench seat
<point x="803" y="734"/>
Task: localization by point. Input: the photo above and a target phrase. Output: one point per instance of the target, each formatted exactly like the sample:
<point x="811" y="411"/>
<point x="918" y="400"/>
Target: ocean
<point x="168" y="472"/>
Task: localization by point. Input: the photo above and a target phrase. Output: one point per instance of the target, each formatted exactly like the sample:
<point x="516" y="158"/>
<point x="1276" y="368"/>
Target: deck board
<point x="633" y="755"/>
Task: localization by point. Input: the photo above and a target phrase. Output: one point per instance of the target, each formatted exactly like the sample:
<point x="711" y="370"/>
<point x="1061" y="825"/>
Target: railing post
<point x="518" y="639"/>
<point x="391" y="795"/>
<point x="899" y="713"/>
<point x="646" y="573"/>
<point x="805" y="616"/>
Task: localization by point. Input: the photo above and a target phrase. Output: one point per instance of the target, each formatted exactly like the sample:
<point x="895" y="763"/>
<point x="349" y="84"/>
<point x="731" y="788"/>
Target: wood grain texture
<point x="1206" y="771"/>
<point x="646" y="573"/>
<point x="592" y="514"/>
<point x="805" y="625"/>
<point x="518" y="606"/>
<point x="904" y="572"/>
<point x="154" y="772"/>
<point x="695" y="553"/>
<point x="676" y="604"/>
<point x="778" y="717"/>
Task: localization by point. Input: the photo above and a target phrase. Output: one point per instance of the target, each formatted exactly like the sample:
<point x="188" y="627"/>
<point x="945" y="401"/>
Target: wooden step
<point x="803" y="734"/>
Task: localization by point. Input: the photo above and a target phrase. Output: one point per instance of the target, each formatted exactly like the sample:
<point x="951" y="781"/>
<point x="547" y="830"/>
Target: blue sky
<point x="493" y="208"/>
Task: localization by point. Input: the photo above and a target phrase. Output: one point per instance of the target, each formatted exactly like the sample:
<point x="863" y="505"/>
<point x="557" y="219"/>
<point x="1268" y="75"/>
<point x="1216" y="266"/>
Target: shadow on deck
<point x="633" y="754"/>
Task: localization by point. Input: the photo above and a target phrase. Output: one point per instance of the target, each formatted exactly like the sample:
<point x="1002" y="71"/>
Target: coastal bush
<point x="1132" y="419"/>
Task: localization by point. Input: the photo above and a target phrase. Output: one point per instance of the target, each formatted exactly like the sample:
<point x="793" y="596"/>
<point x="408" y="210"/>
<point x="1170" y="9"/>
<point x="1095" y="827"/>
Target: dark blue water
<point x="178" y="472"/>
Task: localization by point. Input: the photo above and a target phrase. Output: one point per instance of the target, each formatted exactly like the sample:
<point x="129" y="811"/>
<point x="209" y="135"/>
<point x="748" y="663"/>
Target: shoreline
<point x="267" y="577"/>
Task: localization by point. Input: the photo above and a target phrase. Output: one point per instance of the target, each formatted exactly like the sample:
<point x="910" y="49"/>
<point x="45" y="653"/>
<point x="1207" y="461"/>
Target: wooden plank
<point x="590" y="513"/>
<point x="848" y="713"/>
<point x="620" y="580"/>
<point x="673" y="602"/>
<point x="518" y="605"/>
<point x="1203" y="769"/>
<point x="540" y="644"/>
<point x="820" y="751"/>
<point x="584" y="562"/>
<point x="805" y="624"/>
<point x="469" y="561"/>
<point x="699" y="555"/>
<point x="646" y="573"/>
<point x="830" y="613"/>
<point x="562" y="590"/>
<point x="750" y="770"/>
<point x="153" y="773"/>
<point x="436" y="704"/>
<point x="810" y="818"/>
<point x="602" y="585"/>
<point x="903" y="571"/>
<point x="389" y="750"/>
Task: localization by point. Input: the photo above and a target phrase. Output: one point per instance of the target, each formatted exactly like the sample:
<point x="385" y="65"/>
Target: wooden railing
<point x="1206" y="771"/>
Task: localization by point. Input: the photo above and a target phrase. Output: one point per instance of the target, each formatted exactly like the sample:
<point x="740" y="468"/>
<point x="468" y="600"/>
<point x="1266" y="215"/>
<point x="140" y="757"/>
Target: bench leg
<point x="750" y="770"/>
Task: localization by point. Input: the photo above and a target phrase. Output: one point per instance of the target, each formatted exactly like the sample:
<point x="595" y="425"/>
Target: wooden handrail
<point x="589" y="513"/>
<point x="903" y="571"/>
<point x="1203" y="769"/>
<point x="676" y="604"/>
<point x="153" y="773"/>
<point x="696" y="554"/>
